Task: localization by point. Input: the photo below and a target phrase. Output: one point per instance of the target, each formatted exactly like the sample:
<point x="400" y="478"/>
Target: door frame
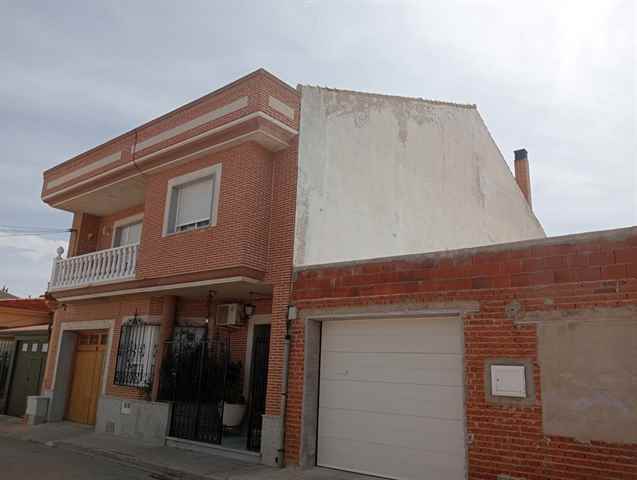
<point x="262" y="319"/>
<point x="74" y="364"/>
<point x="61" y="387"/>
<point x="313" y="320"/>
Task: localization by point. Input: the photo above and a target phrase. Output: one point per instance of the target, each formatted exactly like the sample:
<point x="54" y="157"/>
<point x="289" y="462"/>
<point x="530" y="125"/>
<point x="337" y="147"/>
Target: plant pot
<point x="233" y="414"/>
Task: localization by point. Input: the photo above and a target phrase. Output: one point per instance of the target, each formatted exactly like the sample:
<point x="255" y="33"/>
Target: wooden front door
<point x="27" y="374"/>
<point x="87" y="377"/>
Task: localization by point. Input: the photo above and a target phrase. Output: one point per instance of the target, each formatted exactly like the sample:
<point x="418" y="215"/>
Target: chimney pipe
<point x="522" y="174"/>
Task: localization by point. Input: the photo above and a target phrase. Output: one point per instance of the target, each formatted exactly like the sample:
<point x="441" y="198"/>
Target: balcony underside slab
<point x="227" y="284"/>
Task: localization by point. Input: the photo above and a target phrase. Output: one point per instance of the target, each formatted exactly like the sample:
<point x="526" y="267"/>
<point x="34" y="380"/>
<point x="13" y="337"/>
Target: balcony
<point x="104" y="266"/>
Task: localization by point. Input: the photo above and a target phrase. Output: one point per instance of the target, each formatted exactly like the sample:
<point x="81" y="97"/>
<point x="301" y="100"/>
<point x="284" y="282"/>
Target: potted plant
<point x="234" y="406"/>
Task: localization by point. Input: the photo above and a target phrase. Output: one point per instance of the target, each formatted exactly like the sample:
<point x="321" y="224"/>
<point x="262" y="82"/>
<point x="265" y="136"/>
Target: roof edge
<point x="470" y="106"/>
<point x="617" y="234"/>
<point x="192" y="103"/>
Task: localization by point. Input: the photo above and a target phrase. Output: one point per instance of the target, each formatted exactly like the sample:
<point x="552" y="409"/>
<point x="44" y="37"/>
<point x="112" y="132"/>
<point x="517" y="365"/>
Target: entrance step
<point x="243" y="455"/>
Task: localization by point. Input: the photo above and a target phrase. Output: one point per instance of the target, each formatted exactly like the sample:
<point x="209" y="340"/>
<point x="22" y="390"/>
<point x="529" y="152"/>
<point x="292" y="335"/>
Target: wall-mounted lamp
<point x="248" y="309"/>
<point x="292" y="312"/>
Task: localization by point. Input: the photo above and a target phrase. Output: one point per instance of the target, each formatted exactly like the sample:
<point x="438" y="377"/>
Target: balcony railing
<point x="112" y="265"/>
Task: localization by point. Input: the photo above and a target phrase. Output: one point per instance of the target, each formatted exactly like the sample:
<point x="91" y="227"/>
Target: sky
<point x="555" y="77"/>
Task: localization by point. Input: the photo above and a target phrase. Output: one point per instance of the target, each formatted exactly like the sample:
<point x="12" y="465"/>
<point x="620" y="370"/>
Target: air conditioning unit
<point x="229" y="315"/>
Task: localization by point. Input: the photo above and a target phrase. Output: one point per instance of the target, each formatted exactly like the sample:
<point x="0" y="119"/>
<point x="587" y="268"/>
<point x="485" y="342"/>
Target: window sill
<point x="184" y="232"/>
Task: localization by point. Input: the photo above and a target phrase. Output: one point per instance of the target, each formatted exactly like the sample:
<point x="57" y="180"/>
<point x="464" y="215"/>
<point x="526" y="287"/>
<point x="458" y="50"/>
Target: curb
<point x="157" y="471"/>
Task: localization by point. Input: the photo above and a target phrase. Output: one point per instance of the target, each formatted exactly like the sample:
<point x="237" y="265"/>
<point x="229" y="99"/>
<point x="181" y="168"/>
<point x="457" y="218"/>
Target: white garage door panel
<point x="394" y="335"/>
<point x="388" y="461"/>
<point x="391" y="398"/>
<point x="429" y="434"/>
<point x="420" y="368"/>
<point x="403" y="399"/>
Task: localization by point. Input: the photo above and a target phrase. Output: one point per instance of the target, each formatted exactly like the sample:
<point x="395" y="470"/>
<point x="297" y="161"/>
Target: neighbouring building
<point x="24" y="342"/>
<point x="513" y="361"/>
<point x="5" y="295"/>
<point x="199" y="236"/>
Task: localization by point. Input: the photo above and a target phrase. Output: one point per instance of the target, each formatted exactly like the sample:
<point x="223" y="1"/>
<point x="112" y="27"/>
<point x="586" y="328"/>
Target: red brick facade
<point x="552" y="275"/>
<point x="240" y="238"/>
<point x="253" y="235"/>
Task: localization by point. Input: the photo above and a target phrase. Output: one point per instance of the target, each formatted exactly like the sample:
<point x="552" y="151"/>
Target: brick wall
<point x="256" y="86"/>
<point x="561" y="274"/>
<point x="106" y="228"/>
<point x="115" y="309"/>
<point x="240" y="236"/>
<point x="280" y="260"/>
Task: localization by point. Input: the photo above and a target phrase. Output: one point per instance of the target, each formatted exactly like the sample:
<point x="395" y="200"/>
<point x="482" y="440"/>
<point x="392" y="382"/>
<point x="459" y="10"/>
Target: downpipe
<point x="284" y="393"/>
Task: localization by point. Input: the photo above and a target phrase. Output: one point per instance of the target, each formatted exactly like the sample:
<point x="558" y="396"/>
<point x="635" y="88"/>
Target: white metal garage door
<point x="391" y="398"/>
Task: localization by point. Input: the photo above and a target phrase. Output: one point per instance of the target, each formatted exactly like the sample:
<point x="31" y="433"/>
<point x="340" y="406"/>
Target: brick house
<point x="203" y="241"/>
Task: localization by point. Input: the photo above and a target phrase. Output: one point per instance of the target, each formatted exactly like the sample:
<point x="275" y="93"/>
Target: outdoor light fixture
<point x="248" y="309"/>
<point x="136" y="320"/>
<point x="292" y="312"/>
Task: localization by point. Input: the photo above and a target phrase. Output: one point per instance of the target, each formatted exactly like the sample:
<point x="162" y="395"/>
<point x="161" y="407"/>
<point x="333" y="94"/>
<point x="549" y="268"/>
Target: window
<point x="192" y="200"/>
<point x="127" y="234"/>
<point x="138" y="344"/>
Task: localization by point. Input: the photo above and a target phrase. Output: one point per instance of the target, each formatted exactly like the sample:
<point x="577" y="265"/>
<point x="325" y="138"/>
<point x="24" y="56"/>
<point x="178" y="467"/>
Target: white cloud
<point x="555" y="77"/>
<point x="26" y="263"/>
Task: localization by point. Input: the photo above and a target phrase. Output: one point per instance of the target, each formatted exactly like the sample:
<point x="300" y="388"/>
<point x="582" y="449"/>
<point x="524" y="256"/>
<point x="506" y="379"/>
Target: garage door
<point x="391" y="398"/>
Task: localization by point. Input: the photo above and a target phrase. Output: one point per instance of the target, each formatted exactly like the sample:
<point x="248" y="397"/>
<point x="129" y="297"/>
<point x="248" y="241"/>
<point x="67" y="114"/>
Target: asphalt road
<point x="22" y="460"/>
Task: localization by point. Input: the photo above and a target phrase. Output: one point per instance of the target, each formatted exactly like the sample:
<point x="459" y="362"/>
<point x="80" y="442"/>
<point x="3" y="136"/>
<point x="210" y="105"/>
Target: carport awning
<point x="31" y="329"/>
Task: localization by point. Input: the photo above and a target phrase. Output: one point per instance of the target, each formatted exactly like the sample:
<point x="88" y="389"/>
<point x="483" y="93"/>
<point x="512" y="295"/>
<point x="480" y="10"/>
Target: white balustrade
<point x="109" y="265"/>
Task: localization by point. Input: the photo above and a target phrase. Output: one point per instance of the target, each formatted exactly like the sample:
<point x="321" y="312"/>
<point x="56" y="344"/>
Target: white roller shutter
<point x="391" y="398"/>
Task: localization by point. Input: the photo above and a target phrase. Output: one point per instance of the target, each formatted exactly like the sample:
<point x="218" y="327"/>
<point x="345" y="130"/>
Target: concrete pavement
<point x="66" y="439"/>
<point x="23" y="460"/>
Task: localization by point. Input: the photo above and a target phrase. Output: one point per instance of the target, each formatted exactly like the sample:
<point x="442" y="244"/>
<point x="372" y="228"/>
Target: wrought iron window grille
<point x="138" y="345"/>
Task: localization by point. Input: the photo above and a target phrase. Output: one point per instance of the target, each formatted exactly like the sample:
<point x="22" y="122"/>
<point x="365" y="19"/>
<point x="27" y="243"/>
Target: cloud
<point x="26" y="263"/>
<point x="557" y="78"/>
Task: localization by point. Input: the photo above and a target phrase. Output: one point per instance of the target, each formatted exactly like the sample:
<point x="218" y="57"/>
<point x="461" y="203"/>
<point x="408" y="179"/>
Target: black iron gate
<point x="193" y="378"/>
<point x="258" y="382"/>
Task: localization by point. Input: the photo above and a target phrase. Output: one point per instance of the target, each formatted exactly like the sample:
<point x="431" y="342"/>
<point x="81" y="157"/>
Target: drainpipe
<point x="284" y="391"/>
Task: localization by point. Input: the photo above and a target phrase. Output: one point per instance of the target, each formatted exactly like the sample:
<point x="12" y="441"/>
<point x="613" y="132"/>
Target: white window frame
<point x="213" y="171"/>
<point x="127" y="221"/>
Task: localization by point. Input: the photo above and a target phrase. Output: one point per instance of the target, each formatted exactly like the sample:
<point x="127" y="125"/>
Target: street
<point x="27" y="460"/>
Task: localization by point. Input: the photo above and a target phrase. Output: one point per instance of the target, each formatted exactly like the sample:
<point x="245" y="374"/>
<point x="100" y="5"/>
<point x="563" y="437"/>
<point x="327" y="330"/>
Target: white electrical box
<point x="126" y="407"/>
<point x="229" y="315"/>
<point x="508" y="381"/>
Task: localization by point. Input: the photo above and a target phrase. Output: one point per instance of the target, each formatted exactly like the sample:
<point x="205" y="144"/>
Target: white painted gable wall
<point x="382" y="176"/>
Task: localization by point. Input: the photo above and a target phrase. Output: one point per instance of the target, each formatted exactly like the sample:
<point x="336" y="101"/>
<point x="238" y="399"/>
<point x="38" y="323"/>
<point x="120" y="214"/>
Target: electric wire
<point x="29" y="231"/>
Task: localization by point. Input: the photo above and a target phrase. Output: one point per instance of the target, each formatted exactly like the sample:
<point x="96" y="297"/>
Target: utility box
<point x="508" y="381"/>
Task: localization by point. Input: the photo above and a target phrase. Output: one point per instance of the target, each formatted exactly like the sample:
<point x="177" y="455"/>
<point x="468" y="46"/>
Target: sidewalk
<point x="163" y="462"/>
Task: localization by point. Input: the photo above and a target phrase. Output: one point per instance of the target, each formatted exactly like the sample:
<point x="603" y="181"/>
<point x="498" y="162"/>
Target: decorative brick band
<point x="102" y="162"/>
<point x="184" y="127"/>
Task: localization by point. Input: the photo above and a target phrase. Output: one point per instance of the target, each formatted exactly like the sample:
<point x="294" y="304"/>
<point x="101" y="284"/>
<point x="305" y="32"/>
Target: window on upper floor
<point x="192" y="200"/>
<point x="127" y="233"/>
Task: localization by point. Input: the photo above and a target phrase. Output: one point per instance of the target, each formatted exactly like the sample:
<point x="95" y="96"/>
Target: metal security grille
<point x="138" y="343"/>
<point x="258" y="385"/>
<point x="6" y="347"/>
<point x="193" y="378"/>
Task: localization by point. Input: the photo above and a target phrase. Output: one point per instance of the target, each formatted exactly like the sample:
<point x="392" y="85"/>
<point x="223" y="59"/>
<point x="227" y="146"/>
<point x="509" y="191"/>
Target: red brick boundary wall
<point x="509" y="283"/>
